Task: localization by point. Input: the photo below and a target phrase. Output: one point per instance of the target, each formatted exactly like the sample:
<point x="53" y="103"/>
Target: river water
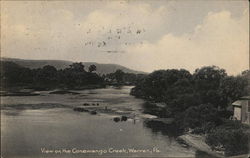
<point x="31" y="128"/>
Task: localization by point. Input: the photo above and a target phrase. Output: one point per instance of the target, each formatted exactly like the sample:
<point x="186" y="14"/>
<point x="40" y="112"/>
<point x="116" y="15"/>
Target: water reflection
<point x="118" y="87"/>
<point x="12" y="113"/>
<point x="165" y="129"/>
<point x="201" y="154"/>
<point x="153" y="109"/>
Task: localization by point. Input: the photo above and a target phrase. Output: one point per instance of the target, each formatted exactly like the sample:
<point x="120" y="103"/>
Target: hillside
<point x="61" y="64"/>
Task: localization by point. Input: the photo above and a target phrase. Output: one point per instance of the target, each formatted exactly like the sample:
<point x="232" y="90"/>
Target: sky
<point x="144" y="35"/>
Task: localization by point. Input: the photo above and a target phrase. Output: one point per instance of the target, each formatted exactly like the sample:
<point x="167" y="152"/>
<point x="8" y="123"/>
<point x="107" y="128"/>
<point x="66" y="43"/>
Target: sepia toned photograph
<point x="125" y="79"/>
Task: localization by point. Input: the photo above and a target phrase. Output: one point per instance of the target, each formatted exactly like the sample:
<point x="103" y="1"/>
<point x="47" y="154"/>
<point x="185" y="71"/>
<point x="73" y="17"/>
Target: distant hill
<point x="61" y="64"/>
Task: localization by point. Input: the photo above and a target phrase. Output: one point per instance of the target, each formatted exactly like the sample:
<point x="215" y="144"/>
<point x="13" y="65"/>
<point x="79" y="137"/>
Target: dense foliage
<point x="201" y="116"/>
<point x="180" y="89"/>
<point x="232" y="136"/>
<point x="13" y="75"/>
<point x="75" y="76"/>
<point x="121" y="78"/>
<point x="199" y="102"/>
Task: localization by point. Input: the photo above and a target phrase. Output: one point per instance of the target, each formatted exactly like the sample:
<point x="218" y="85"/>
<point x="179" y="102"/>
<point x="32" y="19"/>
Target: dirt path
<point x="198" y="142"/>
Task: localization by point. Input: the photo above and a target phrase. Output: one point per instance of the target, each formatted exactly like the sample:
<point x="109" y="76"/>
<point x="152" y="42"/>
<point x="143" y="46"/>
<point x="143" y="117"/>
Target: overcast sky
<point x="143" y="35"/>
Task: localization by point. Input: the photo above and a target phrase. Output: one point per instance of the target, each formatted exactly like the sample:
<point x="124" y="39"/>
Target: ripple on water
<point x="26" y="131"/>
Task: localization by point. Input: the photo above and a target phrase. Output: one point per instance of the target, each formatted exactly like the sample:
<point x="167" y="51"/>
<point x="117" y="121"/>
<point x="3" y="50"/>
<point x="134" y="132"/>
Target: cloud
<point x="219" y="40"/>
<point x="58" y="33"/>
<point x="116" y="15"/>
<point x="57" y="30"/>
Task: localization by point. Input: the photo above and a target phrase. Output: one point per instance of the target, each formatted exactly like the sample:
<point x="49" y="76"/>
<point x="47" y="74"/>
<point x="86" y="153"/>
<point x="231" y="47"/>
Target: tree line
<point x="73" y="77"/>
<point x="180" y="89"/>
<point x="121" y="78"/>
<point x="13" y="75"/>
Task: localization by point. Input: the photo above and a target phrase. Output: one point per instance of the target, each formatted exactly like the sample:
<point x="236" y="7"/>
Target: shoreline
<point x="33" y="91"/>
<point x="198" y="142"/>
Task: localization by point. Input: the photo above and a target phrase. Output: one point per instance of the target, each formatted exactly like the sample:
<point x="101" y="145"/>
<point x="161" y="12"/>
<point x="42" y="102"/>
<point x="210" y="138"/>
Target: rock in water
<point x="79" y="109"/>
<point x="124" y="118"/>
<point x="116" y="119"/>
<point x="86" y="104"/>
<point x="93" y="112"/>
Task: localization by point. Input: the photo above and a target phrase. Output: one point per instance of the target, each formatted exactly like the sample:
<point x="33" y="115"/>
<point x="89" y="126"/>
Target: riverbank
<point x="217" y="142"/>
<point x="198" y="142"/>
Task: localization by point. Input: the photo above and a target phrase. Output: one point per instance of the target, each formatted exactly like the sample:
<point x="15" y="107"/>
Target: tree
<point x="77" y="67"/>
<point x="207" y="81"/>
<point x="232" y="88"/>
<point x="246" y="75"/>
<point x="92" y="68"/>
<point x="119" y="75"/>
<point x="47" y="76"/>
<point x="210" y="72"/>
<point x="13" y="74"/>
<point x="200" y="116"/>
<point x="233" y="136"/>
<point x="160" y="85"/>
<point x="208" y="77"/>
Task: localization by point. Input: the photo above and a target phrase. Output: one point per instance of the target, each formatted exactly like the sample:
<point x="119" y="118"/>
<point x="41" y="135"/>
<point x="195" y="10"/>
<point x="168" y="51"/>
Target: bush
<point x="202" y="116"/>
<point x="205" y="128"/>
<point x="231" y="136"/>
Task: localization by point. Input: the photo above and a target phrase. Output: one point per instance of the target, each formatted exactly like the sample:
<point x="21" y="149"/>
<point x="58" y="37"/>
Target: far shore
<point x="32" y="91"/>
